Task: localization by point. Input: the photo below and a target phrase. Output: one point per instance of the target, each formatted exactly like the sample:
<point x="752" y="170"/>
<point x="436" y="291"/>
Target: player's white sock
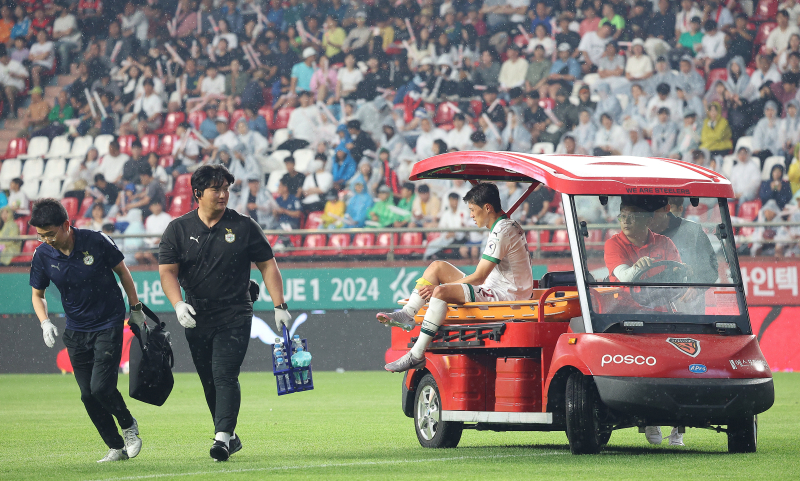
<point x="222" y="436"/>
<point x="414" y="304"/>
<point x="437" y="309"/>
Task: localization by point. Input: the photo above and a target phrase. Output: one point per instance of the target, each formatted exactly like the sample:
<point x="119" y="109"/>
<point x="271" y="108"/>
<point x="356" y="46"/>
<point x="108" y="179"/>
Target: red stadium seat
<point x="16" y="147"/>
<point x="361" y="244"/>
<point x="445" y="114"/>
<point x="533" y="239"/>
<point x="547" y="104"/>
<point x="149" y="144"/>
<point x="71" y="204"/>
<point x="87" y="204"/>
<point x="559" y="242"/>
<point x="167" y="142"/>
<point x="181" y="204"/>
<point x="763" y="32"/>
<point x="171" y="123"/>
<point x="22" y="224"/>
<point x="314" y="220"/>
<point x="26" y="255"/>
<point x="183" y="185"/>
<point x="125" y="142"/>
<point x="237" y="114"/>
<point x="611" y="233"/>
<point x="716" y="74"/>
<point x="282" y="119"/>
<point x="595" y="240"/>
<point x="196" y="118"/>
<point x="82" y="222"/>
<point x="341" y="242"/>
<point x="409" y="242"/>
<point x="166" y="161"/>
<point x="384" y="241"/>
<point x="765" y="11"/>
<point x="477" y="107"/>
<point x="311" y="244"/>
<point x="267" y="112"/>
<point x="699" y="211"/>
<point x="749" y="210"/>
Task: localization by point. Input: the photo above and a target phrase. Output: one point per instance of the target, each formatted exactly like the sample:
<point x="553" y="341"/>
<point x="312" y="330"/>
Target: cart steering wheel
<point x="673" y="272"/>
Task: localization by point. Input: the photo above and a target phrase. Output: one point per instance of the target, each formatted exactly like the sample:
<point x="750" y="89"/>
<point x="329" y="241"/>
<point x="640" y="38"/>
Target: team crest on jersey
<point x="687" y="345"/>
<point x="230" y="236"/>
<point x="491" y="246"/>
<point x="88" y="259"/>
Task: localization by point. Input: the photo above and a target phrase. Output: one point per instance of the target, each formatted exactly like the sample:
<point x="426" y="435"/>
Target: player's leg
<point x="81" y="356"/>
<point x="434" y="317"/>
<point x="107" y="354"/>
<point x="200" y="344"/>
<point x="438" y="272"/>
<point x="230" y="346"/>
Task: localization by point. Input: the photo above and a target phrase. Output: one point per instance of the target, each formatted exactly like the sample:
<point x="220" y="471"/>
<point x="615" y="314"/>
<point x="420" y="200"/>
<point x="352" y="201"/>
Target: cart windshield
<point x="659" y="262"/>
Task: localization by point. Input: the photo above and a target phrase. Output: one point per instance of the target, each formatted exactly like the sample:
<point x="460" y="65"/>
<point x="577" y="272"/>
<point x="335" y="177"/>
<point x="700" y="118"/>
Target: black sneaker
<point x="219" y="451"/>
<point x="235" y="445"/>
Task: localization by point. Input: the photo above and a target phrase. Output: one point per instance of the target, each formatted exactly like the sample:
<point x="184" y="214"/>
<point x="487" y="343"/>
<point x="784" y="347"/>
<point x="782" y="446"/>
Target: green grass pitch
<point x="351" y="427"/>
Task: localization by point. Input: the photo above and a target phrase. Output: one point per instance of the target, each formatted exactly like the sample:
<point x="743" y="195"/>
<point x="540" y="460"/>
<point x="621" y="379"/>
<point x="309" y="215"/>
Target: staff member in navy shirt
<point x="82" y="263"/>
<point x="208" y="253"/>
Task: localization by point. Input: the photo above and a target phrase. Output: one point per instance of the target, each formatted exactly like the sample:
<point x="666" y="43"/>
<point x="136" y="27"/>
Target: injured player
<point x="503" y="274"/>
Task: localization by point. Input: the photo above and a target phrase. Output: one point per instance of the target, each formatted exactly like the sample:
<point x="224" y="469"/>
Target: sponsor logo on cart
<point x="697" y="368"/>
<point x="627" y="359"/>
<point x="756" y="364"/>
<point x="687" y="345"/>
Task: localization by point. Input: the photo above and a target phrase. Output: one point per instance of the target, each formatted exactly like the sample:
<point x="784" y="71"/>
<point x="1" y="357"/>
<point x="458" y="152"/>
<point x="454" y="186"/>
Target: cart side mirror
<point x="584" y="230"/>
<point x="695" y="201"/>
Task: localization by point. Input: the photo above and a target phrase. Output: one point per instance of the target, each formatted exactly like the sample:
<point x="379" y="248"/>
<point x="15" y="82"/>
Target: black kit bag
<point x="151" y="362"/>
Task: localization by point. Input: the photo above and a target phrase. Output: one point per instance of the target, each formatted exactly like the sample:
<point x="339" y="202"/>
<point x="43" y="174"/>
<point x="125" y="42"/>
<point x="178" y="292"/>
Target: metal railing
<point x="392" y="245"/>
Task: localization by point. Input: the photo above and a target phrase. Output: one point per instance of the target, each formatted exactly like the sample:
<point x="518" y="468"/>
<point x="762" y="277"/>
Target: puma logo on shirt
<point x="194" y="239"/>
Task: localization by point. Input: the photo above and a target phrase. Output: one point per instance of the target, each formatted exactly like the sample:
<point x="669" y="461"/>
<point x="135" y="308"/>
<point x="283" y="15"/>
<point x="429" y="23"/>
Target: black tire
<point x="583" y="427"/>
<point x="743" y="435"/>
<point x="604" y="437"/>
<point x="432" y="432"/>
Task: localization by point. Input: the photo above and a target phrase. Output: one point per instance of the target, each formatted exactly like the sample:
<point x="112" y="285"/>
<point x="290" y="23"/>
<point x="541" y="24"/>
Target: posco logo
<point x="629" y="359"/>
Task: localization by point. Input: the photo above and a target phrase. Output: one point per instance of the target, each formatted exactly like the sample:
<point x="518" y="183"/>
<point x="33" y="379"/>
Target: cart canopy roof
<point x="580" y="174"/>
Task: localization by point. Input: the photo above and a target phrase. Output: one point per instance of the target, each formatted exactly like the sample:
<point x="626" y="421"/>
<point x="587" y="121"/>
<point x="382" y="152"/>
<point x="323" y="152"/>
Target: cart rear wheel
<point x="743" y="435"/>
<point x="583" y="425"/>
<point x="432" y="432"/>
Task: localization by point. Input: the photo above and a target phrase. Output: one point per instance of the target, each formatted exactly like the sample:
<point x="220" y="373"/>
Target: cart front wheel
<point x="743" y="435"/>
<point x="583" y="425"/>
<point x="432" y="432"/>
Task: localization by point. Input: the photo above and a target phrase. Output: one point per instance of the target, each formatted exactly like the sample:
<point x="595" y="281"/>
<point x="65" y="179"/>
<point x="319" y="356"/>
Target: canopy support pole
<point x="522" y="199"/>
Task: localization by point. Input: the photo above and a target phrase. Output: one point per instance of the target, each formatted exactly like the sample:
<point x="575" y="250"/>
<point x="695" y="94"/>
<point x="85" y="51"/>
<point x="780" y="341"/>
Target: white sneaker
<point x="133" y="444"/>
<point x="114" y="455"/>
<point x="400" y="319"/>
<point x="653" y="434"/>
<point x="676" y="438"/>
<point x="405" y="363"/>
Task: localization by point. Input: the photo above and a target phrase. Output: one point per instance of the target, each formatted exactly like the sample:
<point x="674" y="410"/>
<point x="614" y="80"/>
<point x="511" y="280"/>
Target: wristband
<point x="282" y="306"/>
<point x="136" y="307"/>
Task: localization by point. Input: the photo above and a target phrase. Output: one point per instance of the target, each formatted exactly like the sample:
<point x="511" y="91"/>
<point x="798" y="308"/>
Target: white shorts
<point x="485" y="294"/>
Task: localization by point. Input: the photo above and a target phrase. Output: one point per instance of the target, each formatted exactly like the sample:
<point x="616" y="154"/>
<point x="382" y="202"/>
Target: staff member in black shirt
<point x="208" y="252"/>
<point x="82" y="263"/>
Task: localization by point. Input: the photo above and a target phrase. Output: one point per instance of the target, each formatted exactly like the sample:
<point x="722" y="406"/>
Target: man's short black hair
<point x="409" y="186"/>
<point x="146" y="170"/>
<point x="423" y="189"/>
<point x="354" y="124"/>
<point x="99" y="177"/>
<point x="477" y="137"/>
<point x="710" y="25"/>
<point x="452" y="195"/>
<point x="136" y="143"/>
<point x="17" y="181"/>
<point x="209" y="176"/>
<point x="459" y="116"/>
<point x="148" y="81"/>
<point x="484" y="193"/>
<point x="663" y="89"/>
<point x="47" y="212"/>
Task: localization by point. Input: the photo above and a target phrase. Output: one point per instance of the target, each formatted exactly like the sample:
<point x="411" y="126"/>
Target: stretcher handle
<point x="547" y="294"/>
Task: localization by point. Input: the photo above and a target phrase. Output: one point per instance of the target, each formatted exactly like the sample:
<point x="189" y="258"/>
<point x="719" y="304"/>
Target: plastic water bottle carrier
<point x="291" y="374"/>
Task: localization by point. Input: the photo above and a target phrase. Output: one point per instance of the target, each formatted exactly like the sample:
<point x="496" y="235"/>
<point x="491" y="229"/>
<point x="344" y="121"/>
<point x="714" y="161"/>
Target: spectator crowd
<point x="320" y="109"/>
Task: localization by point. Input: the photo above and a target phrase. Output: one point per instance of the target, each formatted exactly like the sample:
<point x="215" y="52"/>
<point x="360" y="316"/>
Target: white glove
<point x="282" y="318"/>
<point x="137" y="317"/>
<point x="183" y="309"/>
<point x="49" y="332"/>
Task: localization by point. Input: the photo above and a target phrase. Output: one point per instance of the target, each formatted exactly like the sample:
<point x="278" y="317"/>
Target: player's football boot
<point x="399" y="319"/>
<point x="133" y="444"/>
<point x="219" y="451"/>
<point x="405" y="363"/>
<point x="114" y="455"/>
<point x="653" y="434"/>
<point x="234" y="445"/>
<point x="675" y="437"/>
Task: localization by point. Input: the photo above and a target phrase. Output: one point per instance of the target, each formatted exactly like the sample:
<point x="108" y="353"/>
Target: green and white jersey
<point x="508" y="249"/>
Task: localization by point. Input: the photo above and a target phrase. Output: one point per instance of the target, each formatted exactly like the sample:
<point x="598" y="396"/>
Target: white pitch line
<point x="331" y="465"/>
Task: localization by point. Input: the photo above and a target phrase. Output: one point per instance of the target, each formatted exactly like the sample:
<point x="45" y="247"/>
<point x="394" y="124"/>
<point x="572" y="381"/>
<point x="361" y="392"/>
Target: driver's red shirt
<point x="619" y="251"/>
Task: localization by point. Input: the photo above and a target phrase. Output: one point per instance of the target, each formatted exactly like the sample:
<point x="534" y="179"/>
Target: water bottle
<point x="297" y="344"/>
<point x="301" y="358"/>
<point x="280" y="362"/>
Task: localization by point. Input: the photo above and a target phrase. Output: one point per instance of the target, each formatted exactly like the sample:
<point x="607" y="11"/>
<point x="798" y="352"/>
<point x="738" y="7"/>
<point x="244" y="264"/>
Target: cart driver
<point x="636" y="248"/>
<point x="503" y="274"/>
